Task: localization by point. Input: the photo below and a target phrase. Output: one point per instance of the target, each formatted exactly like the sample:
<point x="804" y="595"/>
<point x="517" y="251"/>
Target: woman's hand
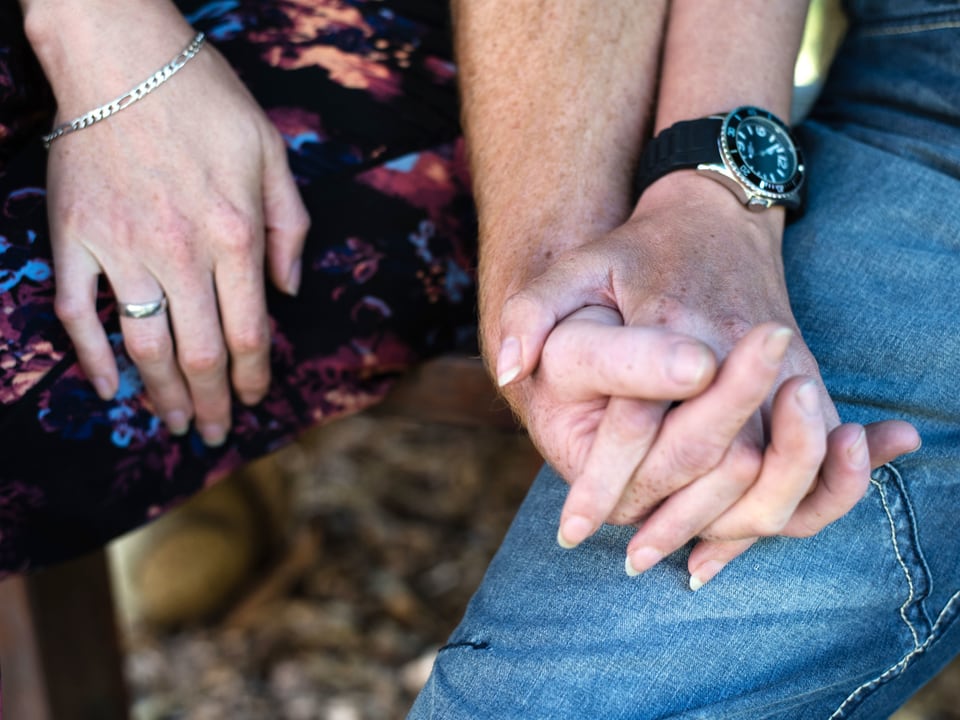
<point x="183" y="193"/>
<point x="758" y="452"/>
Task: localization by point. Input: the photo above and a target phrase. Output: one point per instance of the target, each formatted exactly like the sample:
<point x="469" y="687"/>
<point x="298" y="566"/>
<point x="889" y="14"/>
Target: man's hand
<point x="757" y="453"/>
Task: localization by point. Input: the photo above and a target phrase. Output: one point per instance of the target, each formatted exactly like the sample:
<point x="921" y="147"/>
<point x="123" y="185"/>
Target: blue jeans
<point x="848" y="623"/>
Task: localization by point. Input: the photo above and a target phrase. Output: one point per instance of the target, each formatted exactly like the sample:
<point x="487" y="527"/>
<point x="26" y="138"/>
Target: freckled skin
<point x="688" y="258"/>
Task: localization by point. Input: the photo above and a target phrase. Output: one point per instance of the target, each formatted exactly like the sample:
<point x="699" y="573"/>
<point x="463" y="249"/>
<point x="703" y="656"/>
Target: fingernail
<point x="776" y="344"/>
<point x="213" y="435"/>
<point x="177" y="422"/>
<point x="573" y="531"/>
<point x="919" y="445"/>
<point x="688" y="362"/>
<point x="704" y="574"/>
<point x="642" y="559"/>
<point x="508" y="361"/>
<point x="293" y="277"/>
<point x="809" y="398"/>
<point x="857" y="452"/>
<point x="103" y="387"/>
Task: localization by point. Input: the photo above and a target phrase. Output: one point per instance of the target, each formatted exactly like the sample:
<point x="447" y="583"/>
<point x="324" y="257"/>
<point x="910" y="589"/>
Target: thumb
<point x="528" y="316"/>
<point x="890" y="439"/>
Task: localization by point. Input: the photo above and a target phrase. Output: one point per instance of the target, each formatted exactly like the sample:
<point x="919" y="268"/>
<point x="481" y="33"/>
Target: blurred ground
<point x="389" y="526"/>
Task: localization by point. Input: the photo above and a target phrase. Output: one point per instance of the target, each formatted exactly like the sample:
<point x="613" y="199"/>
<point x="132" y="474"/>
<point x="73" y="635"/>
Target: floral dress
<point x="363" y="92"/>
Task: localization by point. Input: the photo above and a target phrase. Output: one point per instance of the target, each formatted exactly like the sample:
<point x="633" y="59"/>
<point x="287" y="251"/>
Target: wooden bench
<point x="59" y="649"/>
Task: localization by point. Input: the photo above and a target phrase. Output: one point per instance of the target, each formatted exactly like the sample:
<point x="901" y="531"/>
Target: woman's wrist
<point x="134" y="95"/>
<point x="109" y="49"/>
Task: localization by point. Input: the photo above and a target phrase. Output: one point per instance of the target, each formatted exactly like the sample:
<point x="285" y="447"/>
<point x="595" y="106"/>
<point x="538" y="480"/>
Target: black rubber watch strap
<point x="681" y="146"/>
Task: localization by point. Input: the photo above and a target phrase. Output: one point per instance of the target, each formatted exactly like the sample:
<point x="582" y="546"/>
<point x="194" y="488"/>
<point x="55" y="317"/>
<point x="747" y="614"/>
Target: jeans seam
<point x="900" y="560"/>
<point x="910" y="29"/>
<point x="914" y="597"/>
<point x="946" y="616"/>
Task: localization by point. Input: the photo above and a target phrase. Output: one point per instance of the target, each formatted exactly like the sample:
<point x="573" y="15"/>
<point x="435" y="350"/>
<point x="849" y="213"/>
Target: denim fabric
<point x="846" y="624"/>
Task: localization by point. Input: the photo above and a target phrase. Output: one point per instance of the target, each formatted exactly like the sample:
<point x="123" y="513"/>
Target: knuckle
<point x="235" y="230"/>
<point x="808" y="446"/>
<point x="519" y="305"/>
<point x="249" y="340"/>
<point x="124" y="228"/>
<point x="696" y="457"/>
<point x="735" y="326"/>
<point x="744" y="462"/>
<point x="632" y="422"/>
<point x="148" y="349"/>
<point x="203" y="361"/>
<point x="556" y="350"/>
<point x="69" y="309"/>
<point x="72" y="214"/>
<point x="175" y="227"/>
<point x="564" y="361"/>
<point x="769" y="522"/>
<point x="301" y="223"/>
<point x="177" y="237"/>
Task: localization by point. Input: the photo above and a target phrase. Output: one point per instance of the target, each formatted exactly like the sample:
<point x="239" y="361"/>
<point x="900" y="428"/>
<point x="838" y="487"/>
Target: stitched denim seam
<point x="943" y="620"/>
<point x="903" y="565"/>
<point x="909" y="29"/>
<point x="914" y="595"/>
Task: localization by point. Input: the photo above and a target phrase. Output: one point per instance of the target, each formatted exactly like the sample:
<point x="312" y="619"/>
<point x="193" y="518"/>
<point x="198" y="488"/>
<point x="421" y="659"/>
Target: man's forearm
<point x="719" y="55"/>
<point x="557" y="98"/>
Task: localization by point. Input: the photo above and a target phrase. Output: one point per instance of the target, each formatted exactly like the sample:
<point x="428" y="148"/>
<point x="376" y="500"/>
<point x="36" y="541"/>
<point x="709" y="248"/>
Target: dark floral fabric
<point x="363" y="92"/>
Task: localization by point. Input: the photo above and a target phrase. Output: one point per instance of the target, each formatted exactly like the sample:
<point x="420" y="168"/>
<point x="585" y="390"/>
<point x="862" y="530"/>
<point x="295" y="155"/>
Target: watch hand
<point x="771" y="149"/>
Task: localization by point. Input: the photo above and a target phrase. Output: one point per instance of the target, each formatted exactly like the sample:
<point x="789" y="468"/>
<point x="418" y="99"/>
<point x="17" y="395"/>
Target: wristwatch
<point x="750" y="150"/>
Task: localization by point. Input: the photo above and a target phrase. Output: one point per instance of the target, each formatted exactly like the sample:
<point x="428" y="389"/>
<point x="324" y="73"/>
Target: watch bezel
<point x="734" y="161"/>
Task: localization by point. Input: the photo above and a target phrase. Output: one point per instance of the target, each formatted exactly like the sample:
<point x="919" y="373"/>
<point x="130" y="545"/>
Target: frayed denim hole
<point x="466" y="645"/>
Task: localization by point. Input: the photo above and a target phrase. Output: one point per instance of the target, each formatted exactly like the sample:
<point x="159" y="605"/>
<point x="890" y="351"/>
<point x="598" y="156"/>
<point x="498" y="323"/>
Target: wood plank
<point x="59" y="644"/>
<point x="23" y="688"/>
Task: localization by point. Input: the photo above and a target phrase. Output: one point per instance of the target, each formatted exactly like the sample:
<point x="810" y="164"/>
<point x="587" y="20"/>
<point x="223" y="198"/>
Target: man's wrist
<point x="689" y="191"/>
<point x="519" y="245"/>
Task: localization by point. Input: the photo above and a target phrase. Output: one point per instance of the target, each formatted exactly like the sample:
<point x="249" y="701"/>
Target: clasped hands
<point x="659" y="370"/>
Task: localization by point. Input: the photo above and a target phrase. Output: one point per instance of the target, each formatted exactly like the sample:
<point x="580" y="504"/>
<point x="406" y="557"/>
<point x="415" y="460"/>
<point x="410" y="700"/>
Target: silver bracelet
<point x="128" y="99"/>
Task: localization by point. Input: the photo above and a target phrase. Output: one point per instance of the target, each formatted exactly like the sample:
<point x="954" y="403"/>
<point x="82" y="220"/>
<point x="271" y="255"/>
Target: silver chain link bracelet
<point x="128" y="99"/>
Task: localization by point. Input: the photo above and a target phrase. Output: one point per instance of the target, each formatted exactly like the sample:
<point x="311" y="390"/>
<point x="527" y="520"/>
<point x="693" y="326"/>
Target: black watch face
<point x="758" y="147"/>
